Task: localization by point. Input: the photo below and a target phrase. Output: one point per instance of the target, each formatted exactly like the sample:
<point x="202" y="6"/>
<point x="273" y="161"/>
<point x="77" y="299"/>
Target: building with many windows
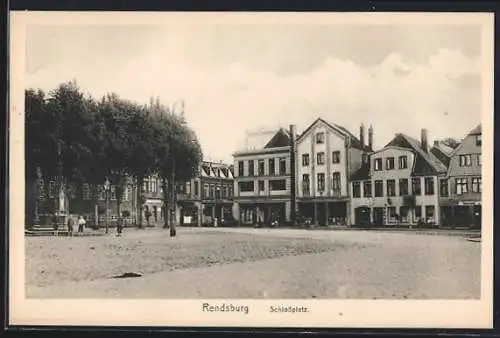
<point x="263" y="187"/>
<point x="461" y="188"/>
<point x="208" y="198"/>
<point x="398" y="184"/>
<point x="327" y="156"/>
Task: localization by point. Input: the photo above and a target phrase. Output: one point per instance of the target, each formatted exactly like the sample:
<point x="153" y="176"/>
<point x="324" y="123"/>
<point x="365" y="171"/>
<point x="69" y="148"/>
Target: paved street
<point x="254" y="263"/>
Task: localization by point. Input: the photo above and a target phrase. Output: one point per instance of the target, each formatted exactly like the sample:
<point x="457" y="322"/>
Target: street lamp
<point x="107" y="190"/>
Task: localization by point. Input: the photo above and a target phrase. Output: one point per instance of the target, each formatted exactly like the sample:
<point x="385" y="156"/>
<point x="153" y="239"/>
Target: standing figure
<point x="70" y="223"/>
<point x="119" y="226"/>
<point x="81" y="224"/>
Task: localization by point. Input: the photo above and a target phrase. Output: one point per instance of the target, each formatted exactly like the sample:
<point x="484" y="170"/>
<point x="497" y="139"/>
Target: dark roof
<point x="476" y="131"/>
<point x="425" y="162"/>
<point x="362" y="173"/>
<point x="280" y="139"/>
<point x="355" y="142"/>
<point x="442" y="156"/>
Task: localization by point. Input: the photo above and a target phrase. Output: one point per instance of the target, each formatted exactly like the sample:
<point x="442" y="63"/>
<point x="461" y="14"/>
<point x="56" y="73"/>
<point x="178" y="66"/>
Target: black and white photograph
<point x="251" y="169"/>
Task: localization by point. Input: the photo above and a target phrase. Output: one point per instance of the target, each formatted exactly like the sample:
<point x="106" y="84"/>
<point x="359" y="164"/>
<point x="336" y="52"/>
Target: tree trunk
<point x="166" y="210"/>
<point x="173" y="230"/>
<point x="140" y="200"/>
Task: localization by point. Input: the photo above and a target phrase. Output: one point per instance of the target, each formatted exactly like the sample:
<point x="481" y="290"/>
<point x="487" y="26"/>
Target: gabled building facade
<point x="398" y="185"/>
<point x="462" y="187"/>
<point x="207" y="199"/>
<point x="262" y="173"/>
<point x="327" y="155"/>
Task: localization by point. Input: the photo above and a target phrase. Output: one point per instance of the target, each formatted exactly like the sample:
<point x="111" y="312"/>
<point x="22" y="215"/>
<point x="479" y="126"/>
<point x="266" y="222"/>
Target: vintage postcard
<point x="251" y="169"/>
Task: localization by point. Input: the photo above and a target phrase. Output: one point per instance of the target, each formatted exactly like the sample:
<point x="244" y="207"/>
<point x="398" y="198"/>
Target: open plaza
<point x="254" y="263"/>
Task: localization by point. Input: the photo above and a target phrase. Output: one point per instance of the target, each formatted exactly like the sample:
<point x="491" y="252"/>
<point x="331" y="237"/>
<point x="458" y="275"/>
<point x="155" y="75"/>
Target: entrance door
<point x="321" y="217"/>
<point x="362" y="215"/>
<point x="378" y="216"/>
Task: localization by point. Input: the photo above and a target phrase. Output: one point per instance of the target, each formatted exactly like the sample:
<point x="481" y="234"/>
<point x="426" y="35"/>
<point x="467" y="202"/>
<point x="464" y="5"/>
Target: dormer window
<point x="320" y="138"/>
<point x="478" y="140"/>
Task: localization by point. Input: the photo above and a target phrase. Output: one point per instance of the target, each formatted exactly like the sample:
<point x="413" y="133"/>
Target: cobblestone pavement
<point x="254" y="263"/>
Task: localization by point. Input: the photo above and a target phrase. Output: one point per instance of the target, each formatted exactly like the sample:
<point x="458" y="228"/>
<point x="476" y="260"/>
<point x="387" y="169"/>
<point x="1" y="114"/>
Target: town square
<point x="230" y="161"/>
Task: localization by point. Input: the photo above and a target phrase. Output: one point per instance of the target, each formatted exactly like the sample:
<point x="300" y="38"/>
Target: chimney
<point x="370" y="137"/>
<point x="436" y="143"/>
<point x="293" y="177"/>
<point x="362" y="135"/>
<point x="423" y="140"/>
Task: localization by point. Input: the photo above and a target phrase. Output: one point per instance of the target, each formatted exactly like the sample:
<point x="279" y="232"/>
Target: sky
<point x="234" y="78"/>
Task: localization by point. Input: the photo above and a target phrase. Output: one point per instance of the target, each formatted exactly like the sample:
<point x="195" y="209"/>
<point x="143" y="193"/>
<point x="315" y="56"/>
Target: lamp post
<point x="107" y="189"/>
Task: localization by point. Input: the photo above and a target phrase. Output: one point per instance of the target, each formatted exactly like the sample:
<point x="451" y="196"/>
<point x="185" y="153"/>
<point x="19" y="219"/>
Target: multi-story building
<point x="461" y="188"/>
<point x="263" y="182"/>
<point x="90" y="202"/>
<point x="152" y="201"/>
<point x="398" y="184"/>
<point x="327" y="156"/>
<point x="207" y="199"/>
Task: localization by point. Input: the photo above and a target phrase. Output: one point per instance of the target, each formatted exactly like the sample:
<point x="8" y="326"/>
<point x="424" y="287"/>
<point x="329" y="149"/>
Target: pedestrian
<point x="70" y="223"/>
<point x="119" y="226"/>
<point x="81" y="224"/>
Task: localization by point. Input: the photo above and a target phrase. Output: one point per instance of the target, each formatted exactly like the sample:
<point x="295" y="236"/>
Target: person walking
<point x="81" y="224"/>
<point x="70" y="223"/>
<point x="119" y="227"/>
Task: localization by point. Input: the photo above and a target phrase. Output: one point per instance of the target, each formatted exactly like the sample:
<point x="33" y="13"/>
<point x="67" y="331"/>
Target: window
<point x="230" y="191"/>
<point x="336" y="182"/>
<point x="391" y="188"/>
<point x="305" y="185"/>
<point x="465" y="160"/>
<point x="389" y="163"/>
<point x="153" y="185"/>
<point x="403" y="214"/>
<point x="277" y="185"/>
<point x="476" y="184"/>
<point x="418" y="211"/>
<point x="379" y="188"/>
<point x="320" y="138"/>
<point x="282" y="166"/>
<point x="113" y="192"/>
<point x="224" y="191"/>
<point x="241" y="168"/>
<point x="87" y="193"/>
<point x="336" y="157"/>
<point x="367" y="188"/>
<point x="102" y="193"/>
<point x="272" y="167"/>
<point x="461" y="185"/>
<point x="429" y="213"/>
<point x="205" y="191"/>
<point x="305" y="160"/>
<point x="478" y="140"/>
<point x="212" y="191"/>
<point x="251" y="169"/>
<point x="246" y="186"/>
<point x="261" y="185"/>
<point x="377" y="164"/>
<point x="416" y="188"/>
<point x="218" y="191"/>
<point x="403" y="162"/>
<point x="479" y="160"/>
<point x="320" y="158"/>
<point x="356" y="189"/>
<point x="391" y="214"/>
<point x="261" y="168"/>
<point x="403" y="187"/>
<point x="321" y="182"/>
<point x="429" y="185"/>
<point x="145" y="185"/>
<point x="196" y="188"/>
<point x="443" y="187"/>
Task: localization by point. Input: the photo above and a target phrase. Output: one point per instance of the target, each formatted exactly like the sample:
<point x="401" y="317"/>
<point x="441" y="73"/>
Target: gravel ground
<point x="265" y="263"/>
